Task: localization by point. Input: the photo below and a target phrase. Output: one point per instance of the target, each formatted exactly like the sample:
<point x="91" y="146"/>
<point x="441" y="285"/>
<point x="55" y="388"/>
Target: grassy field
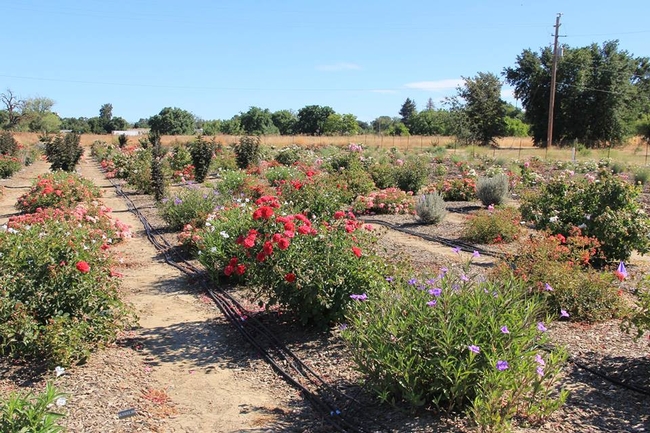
<point x="635" y="152"/>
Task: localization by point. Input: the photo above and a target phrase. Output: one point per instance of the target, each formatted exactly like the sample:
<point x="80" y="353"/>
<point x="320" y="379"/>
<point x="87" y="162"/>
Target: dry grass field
<point x="635" y="152"/>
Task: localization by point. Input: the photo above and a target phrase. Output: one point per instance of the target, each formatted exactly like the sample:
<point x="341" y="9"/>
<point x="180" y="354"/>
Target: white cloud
<point x="339" y="67"/>
<point x="435" y="86"/>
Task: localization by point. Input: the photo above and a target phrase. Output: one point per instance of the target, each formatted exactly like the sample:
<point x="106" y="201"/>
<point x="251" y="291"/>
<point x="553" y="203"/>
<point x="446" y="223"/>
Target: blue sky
<point x="218" y="58"/>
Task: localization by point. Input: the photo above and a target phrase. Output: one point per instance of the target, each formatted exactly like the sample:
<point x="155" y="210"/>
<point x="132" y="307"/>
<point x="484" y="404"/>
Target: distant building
<point x="132" y="132"/>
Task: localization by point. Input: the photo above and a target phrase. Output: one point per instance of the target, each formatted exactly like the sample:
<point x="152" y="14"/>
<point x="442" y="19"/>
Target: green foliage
<point x="639" y="319"/>
<point x="122" y="140"/>
<point x="9" y="165"/>
<point x="457" y="189"/>
<point x="282" y="174"/>
<point x="412" y="175"/>
<point x="599" y="92"/>
<point x="136" y="169"/>
<point x="31" y="413"/>
<point x="310" y="270"/>
<point x="202" y="152"/>
<point x="492" y="190"/>
<point x="318" y="196"/>
<point x="191" y="205"/>
<point x="641" y="176"/>
<point x="172" y="121"/>
<point x="311" y="119"/>
<point x="59" y="190"/>
<point x="285" y="121"/>
<point x="63" y="152"/>
<point x="158" y="181"/>
<point x="8" y="144"/>
<point x="606" y="208"/>
<point x="232" y="182"/>
<point x="341" y="124"/>
<point x="247" y="151"/>
<point x="257" y="121"/>
<point x="383" y="175"/>
<point x="493" y="226"/>
<point x="289" y="155"/>
<point x="407" y="112"/>
<point x="453" y="344"/>
<point x="430" y="208"/>
<point x="484" y="108"/>
<point x="563" y="263"/>
<point x="58" y="298"/>
<point x="516" y="127"/>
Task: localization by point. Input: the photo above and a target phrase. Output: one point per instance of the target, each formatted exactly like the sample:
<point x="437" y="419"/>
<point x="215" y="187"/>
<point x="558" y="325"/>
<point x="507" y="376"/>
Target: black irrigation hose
<point x="464" y="246"/>
<point x="234" y="312"/>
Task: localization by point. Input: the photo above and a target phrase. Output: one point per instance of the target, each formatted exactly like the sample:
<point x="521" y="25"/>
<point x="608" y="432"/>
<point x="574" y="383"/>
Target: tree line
<point x="602" y="96"/>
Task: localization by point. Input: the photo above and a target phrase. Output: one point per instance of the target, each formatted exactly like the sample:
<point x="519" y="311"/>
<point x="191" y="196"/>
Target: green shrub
<point x="8" y="144"/>
<point x="309" y="269"/>
<point x="563" y="264"/>
<point x="63" y="152"/>
<point x="317" y="196"/>
<point x="281" y="174"/>
<point x="9" y="165"/>
<point x="493" y="226"/>
<point x="617" y="167"/>
<point x="606" y="208"/>
<point x="58" y="296"/>
<point x="247" y="151"/>
<point x="58" y="189"/>
<point x="180" y="163"/>
<point x="191" y="205"/>
<point x="232" y="182"/>
<point x="202" y="152"/>
<point x="122" y="140"/>
<point x="289" y="155"/>
<point x="136" y="169"/>
<point x="412" y="175"/>
<point x="639" y="319"/>
<point x="430" y="208"/>
<point x="492" y="190"/>
<point x="383" y="175"/>
<point x="641" y="176"/>
<point x="158" y="181"/>
<point x="453" y="344"/>
<point x="31" y="413"/>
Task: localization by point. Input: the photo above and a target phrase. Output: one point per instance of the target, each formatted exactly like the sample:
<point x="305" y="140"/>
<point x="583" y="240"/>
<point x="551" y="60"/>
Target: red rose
<point x="290" y="277"/>
<point x="356" y="251"/>
<point x="83" y="267"/>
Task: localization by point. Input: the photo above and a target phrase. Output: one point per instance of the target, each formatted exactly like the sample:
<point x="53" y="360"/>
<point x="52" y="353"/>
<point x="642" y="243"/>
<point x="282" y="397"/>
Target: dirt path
<point x="184" y="374"/>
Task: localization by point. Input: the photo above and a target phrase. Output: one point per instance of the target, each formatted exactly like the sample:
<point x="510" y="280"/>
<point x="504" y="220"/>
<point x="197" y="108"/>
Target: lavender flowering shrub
<point x="458" y="345"/>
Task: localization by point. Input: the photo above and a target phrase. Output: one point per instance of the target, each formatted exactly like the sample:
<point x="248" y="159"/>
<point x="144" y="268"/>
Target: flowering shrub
<point x="58" y="189"/>
<point x="387" y="201"/>
<point x="317" y="195"/>
<point x="9" y="165"/>
<point x="556" y="268"/>
<point x="456" y="344"/>
<point x="412" y="175"/>
<point x="63" y="152"/>
<point x="383" y="175"/>
<point x="309" y="269"/>
<point x="605" y="208"/>
<point x="493" y="226"/>
<point x="456" y="189"/>
<point x="180" y="163"/>
<point x="58" y="296"/>
<point x="191" y="205"/>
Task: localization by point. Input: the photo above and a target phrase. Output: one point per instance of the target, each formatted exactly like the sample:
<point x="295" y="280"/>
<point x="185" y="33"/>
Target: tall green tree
<point x="341" y="124"/>
<point x="172" y="121"/>
<point x="311" y="119"/>
<point x="407" y="111"/>
<point x="484" y="107"/>
<point x="37" y="116"/>
<point x="285" y="121"/>
<point x="257" y="121"/>
<point x="600" y="92"/>
<point x="428" y="122"/>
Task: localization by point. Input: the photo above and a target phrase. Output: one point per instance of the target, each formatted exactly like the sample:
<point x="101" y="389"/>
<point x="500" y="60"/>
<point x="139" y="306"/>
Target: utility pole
<point x="551" y="102"/>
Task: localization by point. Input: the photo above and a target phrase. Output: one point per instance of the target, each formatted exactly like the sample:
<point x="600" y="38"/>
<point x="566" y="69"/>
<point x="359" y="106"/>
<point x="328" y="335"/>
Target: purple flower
<point x="432" y="303"/>
<point x="456" y="250"/>
<point x="505" y="330"/>
<point x="464" y="278"/>
<point x="540" y="371"/>
<point x="491" y="207"/>
<point x="362" y="297"/>
<point x="548" y="288"/>
<point x="621" y="270"/>
<point x="177" y="201"/>
<point x="541" y="327"/>
<point x="473" y="348"/>
<point x="343" y="326"/>
<point x="412" y="281"/>
<point x="443" y="271"/>
<point x="389" y="279"/>
<point x="563" y="313"/>
<point x="435" y="292"/>
<point x="539" y="360"/>
<point x="502" y="365"/>
<point x="431" y="281"/>
<point x="476" y="254"/>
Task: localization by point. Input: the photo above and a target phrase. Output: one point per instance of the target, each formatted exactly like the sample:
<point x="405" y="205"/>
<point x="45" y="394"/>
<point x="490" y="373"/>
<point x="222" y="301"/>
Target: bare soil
<point x="185" y="369"/>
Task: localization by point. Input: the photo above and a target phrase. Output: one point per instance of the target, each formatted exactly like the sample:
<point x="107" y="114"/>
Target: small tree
<point x="157" y="175"/>
<point x="247" y="151"/>
<point x="63" y="152"/>
<point x="202" y="152"/>
<point x="407" y="111"/>
<point x="484" y="107"/>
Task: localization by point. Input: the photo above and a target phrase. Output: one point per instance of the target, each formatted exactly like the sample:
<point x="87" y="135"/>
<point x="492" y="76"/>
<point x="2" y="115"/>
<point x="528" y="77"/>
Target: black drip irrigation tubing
<point x="339" y="411"/>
